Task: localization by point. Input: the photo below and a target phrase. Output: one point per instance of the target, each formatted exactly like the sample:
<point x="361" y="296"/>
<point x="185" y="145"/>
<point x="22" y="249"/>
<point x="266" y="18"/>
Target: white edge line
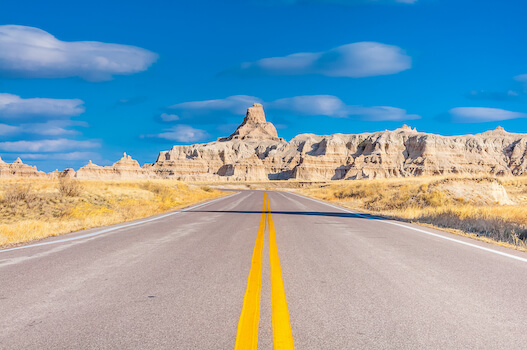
<point x="96" y="233"/>
<point x="416" y="229"/>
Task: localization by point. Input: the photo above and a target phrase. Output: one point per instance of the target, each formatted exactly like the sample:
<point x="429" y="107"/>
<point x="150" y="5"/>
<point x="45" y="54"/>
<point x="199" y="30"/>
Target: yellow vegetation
<point x="423" y="200"/>
<point x="33" y="209"/>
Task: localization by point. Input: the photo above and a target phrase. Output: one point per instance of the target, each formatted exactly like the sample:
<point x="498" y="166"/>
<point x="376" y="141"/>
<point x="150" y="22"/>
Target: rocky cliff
<point x="254" y="152"/>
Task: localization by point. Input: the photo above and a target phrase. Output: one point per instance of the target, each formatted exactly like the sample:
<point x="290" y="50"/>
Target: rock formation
<point x="124" y="168"/>
<point x="17" y="169"/>
<point x="254" y="126"/>
<point x="254" y="152"/>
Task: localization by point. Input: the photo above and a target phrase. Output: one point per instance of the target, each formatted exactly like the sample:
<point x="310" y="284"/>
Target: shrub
<point x="69" y="187"/>
<point x="17" y="194"/>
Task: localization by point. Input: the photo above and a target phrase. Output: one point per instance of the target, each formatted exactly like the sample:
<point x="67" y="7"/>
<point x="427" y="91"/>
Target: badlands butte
<point x="254" y="152"/>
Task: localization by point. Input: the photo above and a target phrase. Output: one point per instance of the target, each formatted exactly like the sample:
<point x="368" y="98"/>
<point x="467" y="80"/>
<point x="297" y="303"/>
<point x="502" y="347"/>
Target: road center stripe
<point x="247" y="335"/>
<point x="282" y="334"/>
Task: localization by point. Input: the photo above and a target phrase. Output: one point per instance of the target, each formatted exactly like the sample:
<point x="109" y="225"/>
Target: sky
<point x="86" y="81"/>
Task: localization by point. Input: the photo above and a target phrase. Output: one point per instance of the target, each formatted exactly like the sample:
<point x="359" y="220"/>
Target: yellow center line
<point x="247" y="335"/>
<point x="282" y="334"/>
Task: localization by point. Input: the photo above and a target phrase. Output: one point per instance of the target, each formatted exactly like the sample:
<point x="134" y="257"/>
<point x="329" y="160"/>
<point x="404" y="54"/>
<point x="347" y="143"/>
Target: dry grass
<point x="425" y="200"/>
<point x="34" y="209"/>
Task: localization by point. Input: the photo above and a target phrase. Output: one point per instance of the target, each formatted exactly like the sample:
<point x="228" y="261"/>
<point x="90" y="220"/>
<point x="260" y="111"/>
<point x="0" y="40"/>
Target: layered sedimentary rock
<point x="254" y="152"/>
<point x="18" y="169"/>
<point x="125" y="168"/>
<point x="254" y="126"/>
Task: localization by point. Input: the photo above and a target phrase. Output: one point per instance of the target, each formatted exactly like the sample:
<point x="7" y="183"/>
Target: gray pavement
<point x="177" y="282"/>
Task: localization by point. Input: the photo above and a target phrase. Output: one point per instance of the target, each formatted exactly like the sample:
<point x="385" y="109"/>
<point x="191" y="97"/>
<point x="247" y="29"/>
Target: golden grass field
<point x="424" y="200"/>
<point x="36" y="208"/>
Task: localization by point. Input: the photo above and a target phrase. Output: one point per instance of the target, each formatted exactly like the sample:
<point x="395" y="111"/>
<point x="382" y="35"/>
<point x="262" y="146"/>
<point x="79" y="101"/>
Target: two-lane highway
<point x="181" y="281"/>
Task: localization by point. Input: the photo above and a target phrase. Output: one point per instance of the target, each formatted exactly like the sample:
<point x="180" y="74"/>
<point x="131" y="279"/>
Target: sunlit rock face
<point x="18" y="169"/>
<point x="254" y="126"/>
<point x="255" y="152"/>
<point x="124" y="168"/>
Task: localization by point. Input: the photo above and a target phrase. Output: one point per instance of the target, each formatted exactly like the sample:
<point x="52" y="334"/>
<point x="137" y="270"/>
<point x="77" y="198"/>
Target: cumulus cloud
<point x="15" y="107"/>
<point x="309" y="105"/>
<point x="57" y="145"/>
<point x="28" y="52"/>
<point x="482" y="115"/>
<point x="183" y="133"/>
<point x="362" y="59"/>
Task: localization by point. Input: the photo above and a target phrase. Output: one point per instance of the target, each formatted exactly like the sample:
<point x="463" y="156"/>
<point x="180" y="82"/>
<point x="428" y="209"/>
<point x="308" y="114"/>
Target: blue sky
<point x="94" y="80"/>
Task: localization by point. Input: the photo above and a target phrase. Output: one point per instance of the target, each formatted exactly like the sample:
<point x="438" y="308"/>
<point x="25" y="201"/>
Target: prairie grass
<point x="38" y="208"/>
<point x="433" y="201"/>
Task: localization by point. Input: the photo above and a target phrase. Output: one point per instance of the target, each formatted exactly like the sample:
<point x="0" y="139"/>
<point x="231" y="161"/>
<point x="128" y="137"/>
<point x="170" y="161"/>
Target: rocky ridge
<point x="398" y="153"/>
<point x="18" y="169"/>
<point x="254" y="152"/>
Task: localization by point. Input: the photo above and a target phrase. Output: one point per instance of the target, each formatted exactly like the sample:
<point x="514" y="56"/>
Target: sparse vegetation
<point x="34" y="209"/>
<point x="457" y="203"/>
<point x="69" y="187"/>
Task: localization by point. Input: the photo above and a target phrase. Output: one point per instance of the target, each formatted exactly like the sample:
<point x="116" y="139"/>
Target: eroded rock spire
<point x="254" y="125"/>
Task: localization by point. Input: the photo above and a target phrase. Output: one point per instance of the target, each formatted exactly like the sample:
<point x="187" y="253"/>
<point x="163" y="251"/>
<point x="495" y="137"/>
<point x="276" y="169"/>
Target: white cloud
<point x="61" y="156"/>
<point x="169" y="117"/>
<point x="493" y="95"/>
<point x="30" y="52"/>
<point x="309" y="105"/>
<point x="363" y="59"/>
<point x="381" y="113"/>
<point x="234" y="104"/>
<point x="50" y="128"/>
<point x="482" y="114"/>
<point x="9" y="129"/>
<point x="46" y="145"/>
<point x="183" y="133"/>
<point x="15" y="107"/>
<point x="521" y="78"/>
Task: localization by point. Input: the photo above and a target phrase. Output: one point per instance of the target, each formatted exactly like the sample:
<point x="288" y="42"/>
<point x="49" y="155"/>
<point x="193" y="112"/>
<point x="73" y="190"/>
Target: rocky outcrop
<point x="254" y="152"/>
<point x="125" y="168"/>
<point x="254" y="126"/>
<point x="18" y="169"/>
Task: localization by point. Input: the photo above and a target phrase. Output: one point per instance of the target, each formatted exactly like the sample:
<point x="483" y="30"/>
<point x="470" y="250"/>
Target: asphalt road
<point x="179" y="281"/>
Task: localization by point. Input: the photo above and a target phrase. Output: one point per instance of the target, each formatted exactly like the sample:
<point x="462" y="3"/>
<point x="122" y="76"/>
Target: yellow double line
<point x="247" y="335"/>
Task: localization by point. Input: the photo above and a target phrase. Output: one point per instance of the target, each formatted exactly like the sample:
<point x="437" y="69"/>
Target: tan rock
<point x="18" y="169"/>
<point x="399" y="153"/>
<point x="254" y="126"/>
<point x="254" y="152"/>
<point x="124" y="168"/>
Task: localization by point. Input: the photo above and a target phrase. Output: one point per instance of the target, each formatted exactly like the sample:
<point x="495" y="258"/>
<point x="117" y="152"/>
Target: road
<point x="179" y="281"/>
